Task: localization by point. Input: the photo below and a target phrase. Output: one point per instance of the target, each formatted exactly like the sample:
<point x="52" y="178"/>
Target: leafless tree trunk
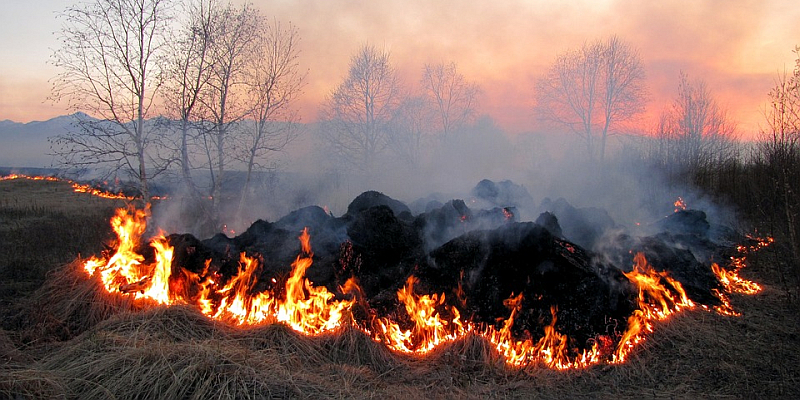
<point x="451" y="94"/>
<point x="274" y="82"/>
<point x="111" y="65"/>
<point x="232" y="47"/>
<point x="592" y="90"/>
<point x="623" y="91"/>
<point x="357" y="114"/>
<point x="411" y="132"/>
<point x="189" y="72"/>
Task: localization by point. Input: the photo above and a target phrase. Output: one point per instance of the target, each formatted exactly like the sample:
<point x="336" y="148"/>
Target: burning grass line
<point x="314" y="311"/>
<point x="76" y="186"/>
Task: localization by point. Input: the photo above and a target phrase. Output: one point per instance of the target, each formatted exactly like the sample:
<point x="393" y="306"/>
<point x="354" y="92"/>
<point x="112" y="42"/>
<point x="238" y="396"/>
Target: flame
<point x="83" y="188"/>
<point x="76" y="187"/>
<point x="430" y="328"/>
<point x="551" y="350"/>
<point x="679" y="204"/>
<point x="730" y="279"/>
<point x="122" y="268"/>
<point x="33" y="178"/>
<point x="306" y="308"/>
<point x="659" y="297"/>
<point x="429" y="319"/>
<point x="732" y="282"/>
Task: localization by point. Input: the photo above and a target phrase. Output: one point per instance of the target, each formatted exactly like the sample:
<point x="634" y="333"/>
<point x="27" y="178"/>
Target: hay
<point x="75" y="341"/>
<point x="28" y="383"/>
<point x="350" y="346"/>
<point x="69" y="302"/>
<point x="168" y="323"/>
<point x="177" y="352"/>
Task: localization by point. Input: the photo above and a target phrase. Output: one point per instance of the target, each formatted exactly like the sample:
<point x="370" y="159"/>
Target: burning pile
<point x="415" y="282"/>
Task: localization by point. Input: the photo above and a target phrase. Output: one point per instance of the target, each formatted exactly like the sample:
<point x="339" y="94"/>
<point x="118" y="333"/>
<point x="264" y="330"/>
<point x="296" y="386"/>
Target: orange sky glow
<point x="737" y="47"/>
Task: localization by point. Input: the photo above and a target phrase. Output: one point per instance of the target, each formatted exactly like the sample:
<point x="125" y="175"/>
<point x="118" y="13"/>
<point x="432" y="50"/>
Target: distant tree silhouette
<point x="695" y="132"/>
<point x="355" y="118"/>
<point x="451" y="95"/>
<point x="592" y="90"/>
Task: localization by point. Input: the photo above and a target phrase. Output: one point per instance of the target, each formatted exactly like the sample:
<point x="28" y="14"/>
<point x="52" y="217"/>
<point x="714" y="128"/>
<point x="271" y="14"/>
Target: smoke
<point x="480" y="168"/>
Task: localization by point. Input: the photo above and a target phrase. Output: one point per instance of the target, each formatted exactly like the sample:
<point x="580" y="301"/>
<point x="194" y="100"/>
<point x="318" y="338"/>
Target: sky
<point x="737" y="47"/>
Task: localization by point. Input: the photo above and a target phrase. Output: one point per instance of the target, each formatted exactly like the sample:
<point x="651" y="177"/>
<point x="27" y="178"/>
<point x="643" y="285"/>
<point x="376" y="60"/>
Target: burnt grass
<point x="61" y="338"/>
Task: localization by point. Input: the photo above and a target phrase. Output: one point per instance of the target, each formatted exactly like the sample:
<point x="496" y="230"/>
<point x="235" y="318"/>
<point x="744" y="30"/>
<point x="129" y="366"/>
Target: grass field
<point x="61" y="337"/>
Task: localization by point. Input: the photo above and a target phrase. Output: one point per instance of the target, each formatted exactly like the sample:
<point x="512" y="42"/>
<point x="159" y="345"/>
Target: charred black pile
<point x="477" y="258"/>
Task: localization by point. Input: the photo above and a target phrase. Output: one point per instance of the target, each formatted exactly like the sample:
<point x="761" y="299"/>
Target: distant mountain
<point x="26" y="144"/>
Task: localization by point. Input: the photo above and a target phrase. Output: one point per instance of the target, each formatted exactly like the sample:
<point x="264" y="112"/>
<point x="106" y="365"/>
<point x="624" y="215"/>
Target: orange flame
<point x="659" y="297"/>
<point x="679" y="204"/>
<point x="431" y="320"/>
<point x="76" y="187"/>
<point x="551" y="350"/>
<point x="122" y="268"/>
<point x="732" y="282"/>
<point x="430" y="328"/>
<point x="33" y="178"/>
<point x="306" y="308"/>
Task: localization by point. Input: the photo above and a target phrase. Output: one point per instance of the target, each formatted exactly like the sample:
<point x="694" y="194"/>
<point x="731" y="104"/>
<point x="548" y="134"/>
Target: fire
<point x="429" y="327"/>
<point x="429" y="319"/>
<point x="306" y="308"/>
<point x="659" y="297"/>
<point x="730" y="279"/>
<point x="83" y="188"/>
<point x="551" y="350"/>
<point x="123" y="268"/>
<point x="76" y="187"/>
<point x="33" y="178"/>
<point x="679" y="204"/>
<point x="732" y="282"/>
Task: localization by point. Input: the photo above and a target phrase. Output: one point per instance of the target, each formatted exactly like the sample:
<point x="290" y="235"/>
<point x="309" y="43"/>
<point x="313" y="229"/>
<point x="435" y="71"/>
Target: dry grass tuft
<point x="69" y="302"/>
<point x="350" y="346"/>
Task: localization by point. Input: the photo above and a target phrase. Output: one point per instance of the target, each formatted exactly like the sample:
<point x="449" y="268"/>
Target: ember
<point x="413" y="283"/>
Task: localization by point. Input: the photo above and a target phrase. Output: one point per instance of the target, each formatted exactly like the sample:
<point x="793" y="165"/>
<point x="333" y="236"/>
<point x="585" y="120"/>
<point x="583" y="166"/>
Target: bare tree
<point x="274" y="82"/>
<point x="234" y="41"/>
<point x="111" y="67"/>
<point x="592" y="90"/>
<point x="411" y="132"/>
<point x="453" y="97"/>
<point x="188" y="73"/>
<point x="695" y="132"/>
<point x="355" y="117"/>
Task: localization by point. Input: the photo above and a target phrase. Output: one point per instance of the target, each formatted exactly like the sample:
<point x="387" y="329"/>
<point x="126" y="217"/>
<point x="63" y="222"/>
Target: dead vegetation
<point x="63" y="338"/>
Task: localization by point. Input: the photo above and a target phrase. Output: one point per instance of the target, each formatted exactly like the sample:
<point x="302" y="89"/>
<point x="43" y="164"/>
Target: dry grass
<point x="42" y="225"/>
<point x="66" y="339"/>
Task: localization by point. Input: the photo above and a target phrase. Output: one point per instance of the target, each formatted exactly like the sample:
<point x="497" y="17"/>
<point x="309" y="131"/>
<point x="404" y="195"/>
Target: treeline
<point x="694" y="143"/>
